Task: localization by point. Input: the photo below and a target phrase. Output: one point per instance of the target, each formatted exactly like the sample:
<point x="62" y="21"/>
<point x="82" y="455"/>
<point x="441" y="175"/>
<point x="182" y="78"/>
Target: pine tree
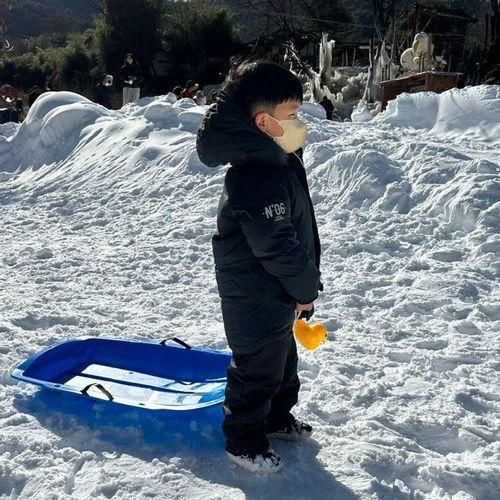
<point x="199" y="38"/>
<point x="128" y="26"/>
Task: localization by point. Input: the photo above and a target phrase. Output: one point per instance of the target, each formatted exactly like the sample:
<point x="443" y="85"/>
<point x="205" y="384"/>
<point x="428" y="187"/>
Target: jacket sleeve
<point x="123" y="74"/>
<point x="264" y="217"/>
<point x="139" y="75"/>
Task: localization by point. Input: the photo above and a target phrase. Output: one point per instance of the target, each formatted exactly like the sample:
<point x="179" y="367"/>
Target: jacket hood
<point x="228" y="135"/>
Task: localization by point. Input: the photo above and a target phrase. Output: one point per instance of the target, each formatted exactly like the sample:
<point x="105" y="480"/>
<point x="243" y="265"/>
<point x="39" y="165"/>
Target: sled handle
<point x="175" y="339"/>
<point x="85" y="390"/>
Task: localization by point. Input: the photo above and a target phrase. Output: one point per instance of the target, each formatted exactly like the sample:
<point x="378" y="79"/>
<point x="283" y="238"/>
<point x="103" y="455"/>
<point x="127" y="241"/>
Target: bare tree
<point x="298" y="20"/>
<point x="383" y="19"/>
<point x="388" y="15"/>
<point x="5" y="45"/>
<point x="384" y="13"/>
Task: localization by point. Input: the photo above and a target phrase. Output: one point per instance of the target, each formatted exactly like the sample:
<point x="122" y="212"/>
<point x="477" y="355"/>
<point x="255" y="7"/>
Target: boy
<point x="266" y="254"/>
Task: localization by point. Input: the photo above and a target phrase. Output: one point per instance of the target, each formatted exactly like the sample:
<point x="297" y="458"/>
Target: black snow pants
<point x="262" y="388"/>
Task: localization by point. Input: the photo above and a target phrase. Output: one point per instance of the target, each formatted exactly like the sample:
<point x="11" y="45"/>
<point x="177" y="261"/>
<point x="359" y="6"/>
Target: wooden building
<point x="448" y="28"/>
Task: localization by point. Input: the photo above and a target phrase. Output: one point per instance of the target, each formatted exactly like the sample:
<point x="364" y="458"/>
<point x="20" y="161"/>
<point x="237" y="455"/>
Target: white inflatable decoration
<point x="407" y="60"/>
<point x="420" y="57"/>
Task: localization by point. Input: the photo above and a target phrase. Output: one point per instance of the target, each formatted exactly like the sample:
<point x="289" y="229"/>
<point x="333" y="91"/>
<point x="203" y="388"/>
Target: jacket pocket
<point x="249" y="280"/>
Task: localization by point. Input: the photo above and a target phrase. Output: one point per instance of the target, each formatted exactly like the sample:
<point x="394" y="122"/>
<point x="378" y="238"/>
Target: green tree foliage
<point x="68" y="66"/>
<point x="3" y="3"/>
<point x="199" y="39"/>
<point x="128" y="26"/>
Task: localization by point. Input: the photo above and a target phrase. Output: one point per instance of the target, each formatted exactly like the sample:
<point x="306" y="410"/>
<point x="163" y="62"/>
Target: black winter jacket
<point x="102" y="95"/>
<point x="131" y="73"/>
<point x="267" y="248"/>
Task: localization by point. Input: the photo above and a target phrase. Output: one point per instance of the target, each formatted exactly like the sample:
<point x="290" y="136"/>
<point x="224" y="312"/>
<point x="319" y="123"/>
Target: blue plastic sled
<point x="144" y="375"/>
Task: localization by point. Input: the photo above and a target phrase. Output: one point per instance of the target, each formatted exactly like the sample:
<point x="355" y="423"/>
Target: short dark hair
<point x="262" y="85"/>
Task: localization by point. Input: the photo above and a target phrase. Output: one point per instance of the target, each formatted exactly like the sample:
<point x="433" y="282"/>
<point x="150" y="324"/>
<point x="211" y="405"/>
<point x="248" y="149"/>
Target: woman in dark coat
<point x="131" y="76"/>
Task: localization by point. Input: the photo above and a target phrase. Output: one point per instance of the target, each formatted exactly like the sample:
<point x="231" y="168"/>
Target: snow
<point x="457" y="113"/>
<point x="313" y="110"/>
<point x="106" y="221"/>
<point x="361" y="114"/>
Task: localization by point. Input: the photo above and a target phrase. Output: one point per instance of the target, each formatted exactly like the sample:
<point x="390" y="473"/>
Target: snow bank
<point x="361" y="114"/>
<point x="472" y="112"/>
<point x="8" y="129"/>
<point x="358" y="178"/>
<point x="107" y="218"/>
<point x="58" y="121"/>
<point x="312" y="109"/>
<point x="411" y="110"/>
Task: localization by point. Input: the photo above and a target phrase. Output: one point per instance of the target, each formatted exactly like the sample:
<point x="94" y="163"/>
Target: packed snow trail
<point x="106" y="221"/>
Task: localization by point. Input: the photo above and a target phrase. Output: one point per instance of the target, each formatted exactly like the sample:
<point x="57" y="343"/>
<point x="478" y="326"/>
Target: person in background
<point x="200" y="98"/>
<point x="177" y="91"/>
<point x="190" y="89"/>
<point x="49" y="84"/>
<point x="10" y="96"/>
<point x="131" y="76"/>
<point x="102" y="91"/>
<point x="20" y="108"/>
<point x="33" y="94"/>
<point x="9" y="93"/>
<point x="329" y="108"/>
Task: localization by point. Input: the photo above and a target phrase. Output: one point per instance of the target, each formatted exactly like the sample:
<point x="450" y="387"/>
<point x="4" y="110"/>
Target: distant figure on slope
<point x="10" y="96"/>
<point x="49" y="84"/>
<point x="190" y="89"/>
<point x="131" y="76"/>
<point x="9" y="93"/>
<point x="329" y="108"/>
<point x="177" y="91"/>
<point x="33" y="94"/>
<point x="102" y="91"/>
<point x="20" y="108"/>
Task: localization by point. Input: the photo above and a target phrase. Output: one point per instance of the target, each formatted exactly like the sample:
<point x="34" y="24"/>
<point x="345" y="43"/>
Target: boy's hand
<point x="304" y="307"/>
<point x="305" y="310"/>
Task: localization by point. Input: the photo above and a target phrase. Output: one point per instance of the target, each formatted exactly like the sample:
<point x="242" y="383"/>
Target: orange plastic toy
<point x="310" y="337"/>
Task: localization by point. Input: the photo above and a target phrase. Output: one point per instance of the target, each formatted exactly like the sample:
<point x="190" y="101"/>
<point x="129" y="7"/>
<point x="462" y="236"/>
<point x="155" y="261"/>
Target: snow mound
<point x="50" y="101"/>
<point x="8" y="129"/>
<point x="62" y="121"/>
<point x="468" y="199"/>
<point x="359" y="178"/>
<point x="361" y="114"/>
<point x="190" y="119"/>
<point x="472" y="112"/>
<point x="107" y="219"/>
<point x="312" y="109"/>
<point x="161" y="113"/>
<point x="411" y="110"/>
<point x="58" y="121"/>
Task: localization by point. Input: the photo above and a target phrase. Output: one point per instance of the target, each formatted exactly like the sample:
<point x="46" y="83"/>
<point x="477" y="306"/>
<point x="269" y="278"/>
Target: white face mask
<point x="294" y="134"/>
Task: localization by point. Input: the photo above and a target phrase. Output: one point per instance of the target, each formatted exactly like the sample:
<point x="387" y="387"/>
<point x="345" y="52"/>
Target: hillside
<point x="36" y="17"/>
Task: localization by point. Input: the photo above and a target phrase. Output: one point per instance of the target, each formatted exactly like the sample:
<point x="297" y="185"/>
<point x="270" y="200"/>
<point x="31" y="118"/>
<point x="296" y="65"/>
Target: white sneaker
<point x="292" y="432"/>
<point x="261" y="463"/>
